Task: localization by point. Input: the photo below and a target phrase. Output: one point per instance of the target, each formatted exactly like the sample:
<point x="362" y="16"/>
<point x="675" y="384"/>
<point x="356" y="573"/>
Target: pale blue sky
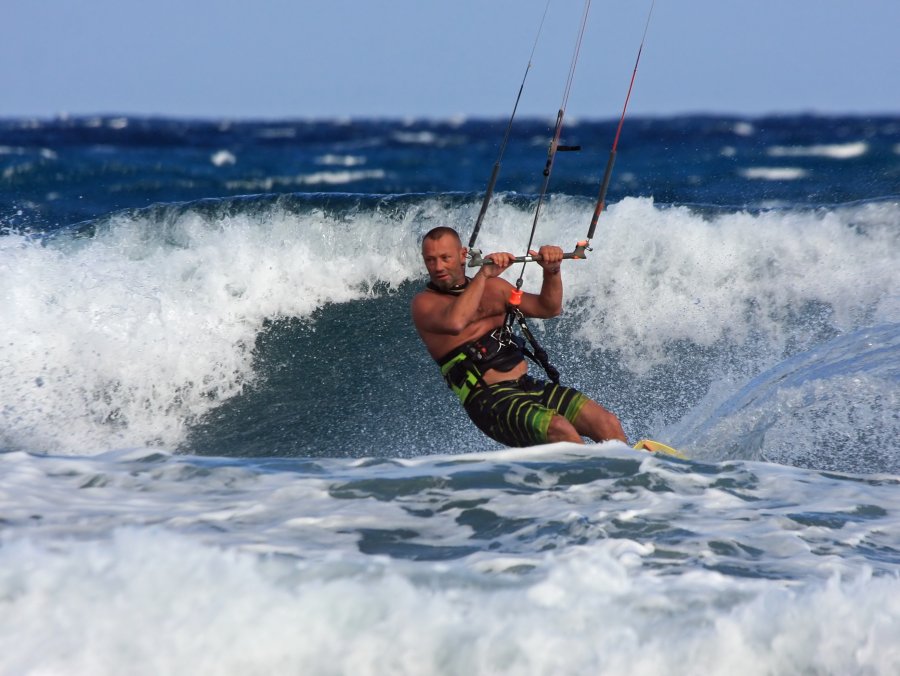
<point x="414" y="58"/>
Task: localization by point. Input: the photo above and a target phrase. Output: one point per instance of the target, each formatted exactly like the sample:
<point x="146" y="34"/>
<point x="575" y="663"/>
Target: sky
<point x="266" y="59"/>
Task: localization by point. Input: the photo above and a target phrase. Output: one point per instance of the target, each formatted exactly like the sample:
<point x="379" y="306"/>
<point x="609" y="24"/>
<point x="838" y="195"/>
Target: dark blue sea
<point x="223" y="449"/>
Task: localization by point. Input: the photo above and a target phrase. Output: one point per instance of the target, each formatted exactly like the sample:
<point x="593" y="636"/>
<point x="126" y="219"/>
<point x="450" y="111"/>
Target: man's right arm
<point x="433" y="314"/>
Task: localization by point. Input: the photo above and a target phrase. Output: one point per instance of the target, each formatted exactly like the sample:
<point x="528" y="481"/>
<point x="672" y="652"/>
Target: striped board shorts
<point x="518" y="412"/>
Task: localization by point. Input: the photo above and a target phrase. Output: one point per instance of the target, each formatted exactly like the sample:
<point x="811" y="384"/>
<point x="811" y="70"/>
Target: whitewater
<point x="223" y="448"/>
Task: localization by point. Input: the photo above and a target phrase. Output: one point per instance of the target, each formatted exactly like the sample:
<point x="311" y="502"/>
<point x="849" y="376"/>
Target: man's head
<point x="445" y="257"/>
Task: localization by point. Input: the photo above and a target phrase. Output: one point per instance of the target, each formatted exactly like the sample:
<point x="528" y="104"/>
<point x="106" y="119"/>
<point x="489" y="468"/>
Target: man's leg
<point x="561" y="429"/>
<point x="596" y="422"/>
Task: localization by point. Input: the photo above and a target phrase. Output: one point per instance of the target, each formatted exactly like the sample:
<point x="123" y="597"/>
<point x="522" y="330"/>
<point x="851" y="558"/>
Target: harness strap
<point x="460" y="379"/>
<point x="537" y="353"/>
<point x="463" y="367"/>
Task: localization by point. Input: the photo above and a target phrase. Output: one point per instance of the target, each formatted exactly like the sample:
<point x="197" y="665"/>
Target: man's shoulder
<point x="425" y="299"/>
<point x="426" y="295"/>
<point x="497" y="287"/>
<point x="498" y="282"/>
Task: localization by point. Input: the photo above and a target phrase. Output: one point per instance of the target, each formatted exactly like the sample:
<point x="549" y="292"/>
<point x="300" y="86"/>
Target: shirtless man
<point x="458" y="320"/>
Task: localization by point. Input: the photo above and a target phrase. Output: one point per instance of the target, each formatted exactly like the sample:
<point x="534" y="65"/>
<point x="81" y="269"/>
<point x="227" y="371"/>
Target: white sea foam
<point x="46" y="153"/>
<point x="340" y="177"/>
<point x="840" y="399"/>
<point x="148" y="602"/>
<point x="837" y="151"/>
<point x="774" y="173"/>
<point x="659" y="276"/>
<point x="221" y="158"/>
<point x="312" y="512"/>
<point x="425" y="138"/>
<point x="16" y="169"/>
<point x="238" y="568"/>
<point x="341" y="160"/>
<point x="127" y="338"/>
<point x="316" y="178"/>
<point x="744" y="129"/>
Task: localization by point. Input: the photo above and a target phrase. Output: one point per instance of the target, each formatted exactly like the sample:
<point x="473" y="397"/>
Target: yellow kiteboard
<point x="656" y="447"/>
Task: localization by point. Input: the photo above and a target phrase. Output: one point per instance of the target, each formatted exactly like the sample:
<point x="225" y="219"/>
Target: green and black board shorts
<point x="518" y="412"/>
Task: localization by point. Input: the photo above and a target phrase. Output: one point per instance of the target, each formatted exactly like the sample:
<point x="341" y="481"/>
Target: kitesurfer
<point x="461" y="320"/>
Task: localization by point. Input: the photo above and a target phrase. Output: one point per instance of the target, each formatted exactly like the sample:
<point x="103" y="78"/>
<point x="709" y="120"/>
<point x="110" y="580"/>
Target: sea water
<point x="224" y="450"/>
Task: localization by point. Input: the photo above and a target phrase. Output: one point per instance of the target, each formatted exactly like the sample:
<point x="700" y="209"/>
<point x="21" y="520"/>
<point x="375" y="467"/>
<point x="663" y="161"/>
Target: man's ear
<point x="465" y="252"/>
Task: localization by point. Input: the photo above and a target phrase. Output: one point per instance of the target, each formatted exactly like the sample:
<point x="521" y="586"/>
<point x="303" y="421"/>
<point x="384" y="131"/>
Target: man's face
<point x="445" y="260"/>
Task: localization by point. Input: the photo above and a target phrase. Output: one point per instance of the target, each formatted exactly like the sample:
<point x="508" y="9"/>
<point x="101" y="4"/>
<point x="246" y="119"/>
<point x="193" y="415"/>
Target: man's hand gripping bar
<point x="580" y="252"/>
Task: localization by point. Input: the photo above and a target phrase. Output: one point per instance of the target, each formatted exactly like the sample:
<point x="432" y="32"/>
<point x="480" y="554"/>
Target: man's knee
<point x="561" y="429"/>
<point x="596" y="422"/>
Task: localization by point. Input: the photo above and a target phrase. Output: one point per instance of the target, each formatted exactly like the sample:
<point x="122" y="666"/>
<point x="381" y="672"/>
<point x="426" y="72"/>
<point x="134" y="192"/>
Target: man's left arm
<point x="549" y="302"/>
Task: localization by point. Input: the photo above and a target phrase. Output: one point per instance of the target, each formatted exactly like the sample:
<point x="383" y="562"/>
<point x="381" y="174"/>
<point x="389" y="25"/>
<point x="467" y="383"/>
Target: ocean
<point x="224" y="450"/>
